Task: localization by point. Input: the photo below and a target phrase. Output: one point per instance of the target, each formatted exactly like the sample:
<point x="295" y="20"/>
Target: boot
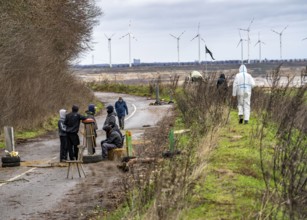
<point x="246" y="122"/>
<point x="240" y="119"/>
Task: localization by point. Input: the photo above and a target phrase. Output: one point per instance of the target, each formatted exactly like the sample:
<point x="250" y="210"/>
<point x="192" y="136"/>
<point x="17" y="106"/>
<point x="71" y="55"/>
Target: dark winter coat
<point x="72" y="122"/>
<point x="111" y="118"/>
<point x="221" y="82"/>
<point x="114" y="138"/>
<point x="121" y="108"/>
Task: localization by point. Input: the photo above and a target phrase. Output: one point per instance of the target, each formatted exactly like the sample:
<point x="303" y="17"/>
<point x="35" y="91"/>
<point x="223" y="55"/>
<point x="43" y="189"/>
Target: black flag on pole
<point x="209" y="52"/>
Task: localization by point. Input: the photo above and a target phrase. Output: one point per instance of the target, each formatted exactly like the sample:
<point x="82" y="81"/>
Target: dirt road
<point x="36" y="190"/>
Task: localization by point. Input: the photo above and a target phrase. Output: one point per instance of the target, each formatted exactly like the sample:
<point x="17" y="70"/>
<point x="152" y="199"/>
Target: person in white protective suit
<point x="242" y="89"/>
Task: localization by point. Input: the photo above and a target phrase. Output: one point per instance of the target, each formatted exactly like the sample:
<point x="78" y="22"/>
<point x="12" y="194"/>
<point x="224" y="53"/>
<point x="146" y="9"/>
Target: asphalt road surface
<point x="36" y="187"/>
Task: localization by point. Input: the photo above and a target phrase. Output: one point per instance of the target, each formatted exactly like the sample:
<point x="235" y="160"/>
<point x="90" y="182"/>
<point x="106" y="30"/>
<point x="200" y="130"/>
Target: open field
<point x="140" y="74"/>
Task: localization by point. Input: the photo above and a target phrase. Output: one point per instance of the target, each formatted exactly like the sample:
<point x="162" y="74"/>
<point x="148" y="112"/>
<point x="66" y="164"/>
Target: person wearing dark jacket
<point x="111" y="117"/>
<point x="221" y="82"/>
<point x="114" y="140"/>
<point x="72" y="122"/>
<point x="62" y="135"/>
<point x="121" y="110"/>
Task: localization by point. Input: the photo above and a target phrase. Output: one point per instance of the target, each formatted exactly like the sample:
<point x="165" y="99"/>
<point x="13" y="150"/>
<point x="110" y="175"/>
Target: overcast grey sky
<point x="152" y="22"/>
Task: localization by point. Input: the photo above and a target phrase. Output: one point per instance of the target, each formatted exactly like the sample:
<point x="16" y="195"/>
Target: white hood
<point x="242" y="69"/>
<point x="243" y="82"/>
<point x="62" y="113"/>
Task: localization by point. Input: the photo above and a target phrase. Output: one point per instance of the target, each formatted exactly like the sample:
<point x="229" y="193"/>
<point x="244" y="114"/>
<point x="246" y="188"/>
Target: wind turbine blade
<point x="106" y="36"/>
<point x="173" y="36"/>
<point x="275" y="31"/>
<point x="284" y="29"/>
<point x="112" y="35"/>
<point x="240" y="35"/>
<point x="250" y="24"/>
<point x="124" y="36"/>
<point x="203" y="40"/>
<point x="198" y="27"/>
<point x="181" y="34"/>
<point x="133" y="37"/>
<point x="257" y="43"/>
<point x="195" y="37"/>
<point x="242" y="29"/>
<point x="304" y="38"/>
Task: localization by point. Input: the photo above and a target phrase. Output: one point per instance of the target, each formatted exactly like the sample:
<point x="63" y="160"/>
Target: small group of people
<point x="69" y="124"/>
<point x="242" y="90"/>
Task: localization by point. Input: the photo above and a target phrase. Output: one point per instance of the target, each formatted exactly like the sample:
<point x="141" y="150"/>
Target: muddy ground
<point x="39" y="189"/>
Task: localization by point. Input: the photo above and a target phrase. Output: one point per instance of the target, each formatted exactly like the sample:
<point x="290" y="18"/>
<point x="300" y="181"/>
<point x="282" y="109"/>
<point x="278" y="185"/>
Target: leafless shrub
<point x="286" y="108"/>
<point x="165" y="184"/>
<point x="38" y="40"/>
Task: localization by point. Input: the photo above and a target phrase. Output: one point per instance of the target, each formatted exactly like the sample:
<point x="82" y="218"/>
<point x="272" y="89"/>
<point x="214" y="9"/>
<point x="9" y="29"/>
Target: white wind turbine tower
<point x="248" y="38"/>
<point x="178" y="39"/>
<point x="280" y="39"/>
<point x="259" y="42"/>
<point x="129" y="34"/>
<point x="241" y="42"/>
<point x="199" y="37"/>
<point x="110" y="52"/>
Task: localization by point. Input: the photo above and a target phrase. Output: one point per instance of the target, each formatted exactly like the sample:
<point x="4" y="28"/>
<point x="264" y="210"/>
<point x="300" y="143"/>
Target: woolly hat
<point x="91" y="108"/>
<point x="110" y="108"/>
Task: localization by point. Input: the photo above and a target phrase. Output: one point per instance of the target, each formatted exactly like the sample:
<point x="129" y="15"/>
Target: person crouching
<point x="114" y="140"/>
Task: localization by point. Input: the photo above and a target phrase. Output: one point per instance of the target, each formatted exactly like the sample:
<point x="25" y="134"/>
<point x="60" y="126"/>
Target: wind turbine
<point x="129" y="34"/>
<point x="259" y="42"/>
<point x="241" y="42"/>
<point x="109" y="46"/>
<point x="199" y="37"/>
<point x="248" y="38"/>
<point x="280" y="39"/>
<point x="178" y="39"/>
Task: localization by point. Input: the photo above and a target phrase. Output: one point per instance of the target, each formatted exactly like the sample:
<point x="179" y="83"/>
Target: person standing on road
<point x="72" y="122"/>
<point x="121" y="110"/>
<point x="242" y="89"/>
<point x="62" y="135"/>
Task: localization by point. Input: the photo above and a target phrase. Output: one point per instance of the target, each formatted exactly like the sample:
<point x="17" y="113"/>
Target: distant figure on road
<point x="72" y="122"/>
<point x="62" y="135"/>
<point x="114" y="140"/>
<point x="242" y="88"/>
<point x="121" y="110"/>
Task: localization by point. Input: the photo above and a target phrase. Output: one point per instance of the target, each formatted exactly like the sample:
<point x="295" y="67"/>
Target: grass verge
<point x="231" y="185"/>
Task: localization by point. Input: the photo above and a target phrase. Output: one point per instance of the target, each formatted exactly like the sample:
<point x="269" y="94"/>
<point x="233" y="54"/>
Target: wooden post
<point x="9" y="138"/>
<point x="129" y="143"/>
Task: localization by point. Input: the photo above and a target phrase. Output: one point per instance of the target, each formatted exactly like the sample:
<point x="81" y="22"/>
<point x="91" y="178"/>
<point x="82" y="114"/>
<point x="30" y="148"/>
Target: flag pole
<point x="206" y="60"/>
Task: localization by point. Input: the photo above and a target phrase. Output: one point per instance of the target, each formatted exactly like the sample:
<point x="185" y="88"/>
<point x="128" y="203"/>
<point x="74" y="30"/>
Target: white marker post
<point x="9" y="138"/>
